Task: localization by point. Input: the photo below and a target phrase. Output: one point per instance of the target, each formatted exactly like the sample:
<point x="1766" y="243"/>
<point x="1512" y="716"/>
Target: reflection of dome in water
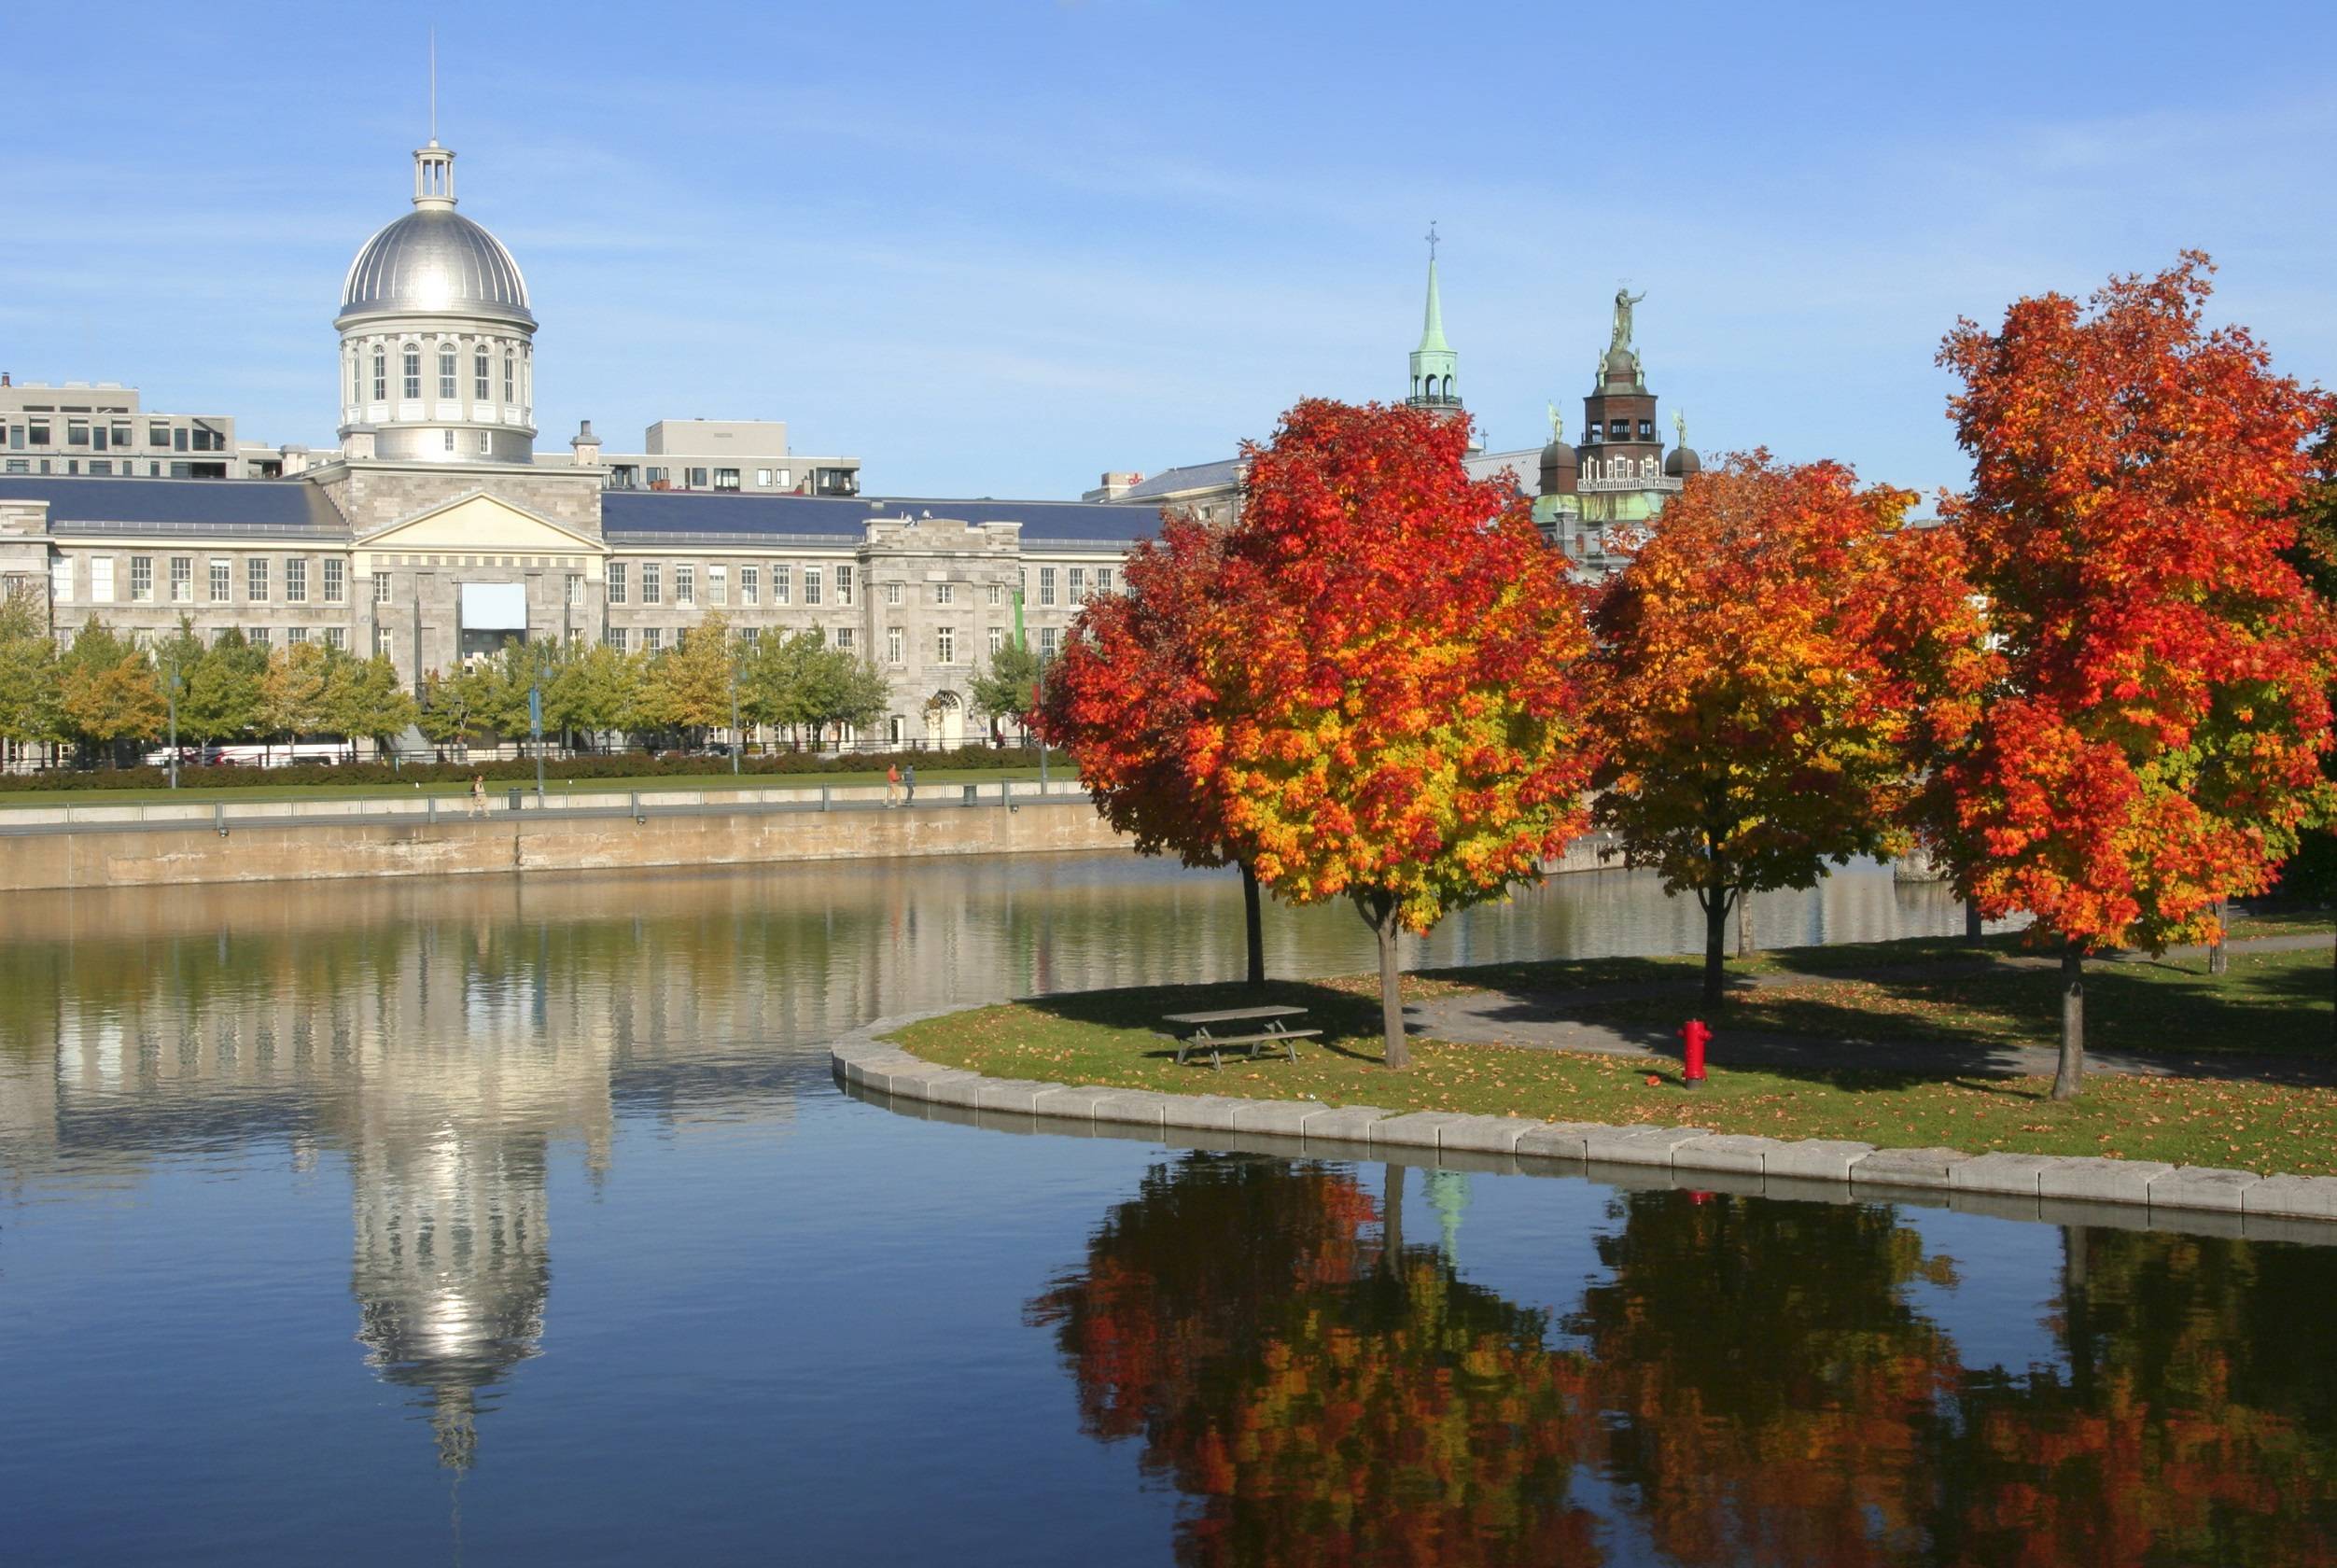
<point x="452" y="1269"/>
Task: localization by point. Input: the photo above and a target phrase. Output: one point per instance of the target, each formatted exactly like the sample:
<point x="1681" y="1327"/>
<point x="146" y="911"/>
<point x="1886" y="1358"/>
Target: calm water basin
<point x="523" y="1222"/>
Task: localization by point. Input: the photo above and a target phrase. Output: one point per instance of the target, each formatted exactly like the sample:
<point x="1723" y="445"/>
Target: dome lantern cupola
<point x="437" y="338"/>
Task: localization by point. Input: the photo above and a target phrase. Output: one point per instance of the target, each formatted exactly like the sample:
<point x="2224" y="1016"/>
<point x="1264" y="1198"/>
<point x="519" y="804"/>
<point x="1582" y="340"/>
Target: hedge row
<point x="588" y="766"/>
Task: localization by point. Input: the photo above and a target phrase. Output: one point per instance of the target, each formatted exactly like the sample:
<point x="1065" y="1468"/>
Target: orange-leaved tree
<point x="2152" y="737"/>
<point x="1127" y="698"/>
<point x="1765" y="662"/>
<point x="1396" y="661"/>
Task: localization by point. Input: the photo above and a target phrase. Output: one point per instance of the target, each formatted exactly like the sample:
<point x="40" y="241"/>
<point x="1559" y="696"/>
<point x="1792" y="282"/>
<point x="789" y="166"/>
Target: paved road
<point x="1552" y="1021"/>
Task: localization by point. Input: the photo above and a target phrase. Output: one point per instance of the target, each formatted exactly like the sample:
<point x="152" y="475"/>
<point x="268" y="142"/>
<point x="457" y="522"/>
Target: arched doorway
<point x="946" y="721"/>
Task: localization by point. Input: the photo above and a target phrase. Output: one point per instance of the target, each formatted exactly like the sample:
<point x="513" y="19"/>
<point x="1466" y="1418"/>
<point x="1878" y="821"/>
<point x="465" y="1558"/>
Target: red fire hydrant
<point x="1694" y="1037"/>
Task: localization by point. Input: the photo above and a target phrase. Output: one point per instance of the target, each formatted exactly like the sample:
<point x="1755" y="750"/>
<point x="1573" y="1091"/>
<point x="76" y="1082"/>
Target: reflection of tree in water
<point x="1749" y="1382"/>
<point x="1325" y="1398"/>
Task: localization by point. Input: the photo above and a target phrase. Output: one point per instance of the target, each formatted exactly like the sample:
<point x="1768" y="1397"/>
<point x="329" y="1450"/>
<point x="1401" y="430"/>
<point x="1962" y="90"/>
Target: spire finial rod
<point x="433" y="84"/>
<point x="1432" y="239"/>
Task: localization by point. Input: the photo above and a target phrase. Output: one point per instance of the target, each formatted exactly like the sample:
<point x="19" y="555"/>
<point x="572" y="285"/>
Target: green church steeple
<point x="1435" y="382"/>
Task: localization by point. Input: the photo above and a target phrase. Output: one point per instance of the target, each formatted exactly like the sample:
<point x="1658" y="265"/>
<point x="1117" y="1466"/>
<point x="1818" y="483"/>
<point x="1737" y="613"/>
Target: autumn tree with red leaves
<point x="1395" y="660"/>
<point x="2152" y="732"/>
<point x="1764" y="663"/>
<point x="1127" y="699"/>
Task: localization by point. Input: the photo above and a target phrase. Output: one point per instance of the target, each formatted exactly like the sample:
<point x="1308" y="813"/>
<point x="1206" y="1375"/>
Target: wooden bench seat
<point x="1214" y="1043"/>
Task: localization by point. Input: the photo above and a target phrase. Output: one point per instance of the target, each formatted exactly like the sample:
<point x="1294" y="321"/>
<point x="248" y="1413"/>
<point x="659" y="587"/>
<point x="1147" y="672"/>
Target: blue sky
<point x="997" y="248"/>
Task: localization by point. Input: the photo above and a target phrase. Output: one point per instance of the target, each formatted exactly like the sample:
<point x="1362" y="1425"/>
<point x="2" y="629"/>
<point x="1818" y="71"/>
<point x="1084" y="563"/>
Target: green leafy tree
<point x="450" y="703"/>
<point x="365" y="697"/>
<point x="31" y="703"/>
<point x="1007" y="688"/>
<point x="292" y="695"/>
<point x="219" y="692"/>
<point x="691" y="687"/>
<point x="846" y="690"/>
<point x="592" y="688"/>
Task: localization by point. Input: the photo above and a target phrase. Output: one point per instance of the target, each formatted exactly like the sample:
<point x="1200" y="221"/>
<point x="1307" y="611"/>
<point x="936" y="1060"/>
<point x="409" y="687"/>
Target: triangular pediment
<point x="483" y="522"/>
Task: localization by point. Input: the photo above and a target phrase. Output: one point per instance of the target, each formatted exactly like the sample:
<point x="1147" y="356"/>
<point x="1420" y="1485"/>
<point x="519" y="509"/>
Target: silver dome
<point x="434" y="262"/>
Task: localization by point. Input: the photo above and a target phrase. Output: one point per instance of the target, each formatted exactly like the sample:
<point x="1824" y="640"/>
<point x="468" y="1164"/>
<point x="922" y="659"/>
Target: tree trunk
<point x="1379" y="912"/>
<point x="1253" y="923"/>
<point x="1971" y="923"/>
<point x="2069" y="1078"/>
<point x="2218" y="957"/>
<point x="1392" y="1217"/>
<point x="1716" y="943"/>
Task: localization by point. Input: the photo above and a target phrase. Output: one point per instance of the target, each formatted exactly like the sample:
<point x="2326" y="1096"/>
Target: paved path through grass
<point x="1621" y="1020"/>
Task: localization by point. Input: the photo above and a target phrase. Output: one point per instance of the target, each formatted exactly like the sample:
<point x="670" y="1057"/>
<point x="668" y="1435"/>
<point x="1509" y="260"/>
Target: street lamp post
<point x="172" y="692"/>
<point x="735" y="743"/>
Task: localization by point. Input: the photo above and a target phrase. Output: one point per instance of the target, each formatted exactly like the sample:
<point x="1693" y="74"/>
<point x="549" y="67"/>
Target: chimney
<point x="586" y="446"/>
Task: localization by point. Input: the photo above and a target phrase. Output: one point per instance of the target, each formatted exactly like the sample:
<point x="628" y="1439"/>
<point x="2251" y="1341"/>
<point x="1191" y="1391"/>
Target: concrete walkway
<point x="1553" y="1021"/>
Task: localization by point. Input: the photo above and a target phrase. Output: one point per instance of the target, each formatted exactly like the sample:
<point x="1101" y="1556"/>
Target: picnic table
<point x="1271" y="1029"/>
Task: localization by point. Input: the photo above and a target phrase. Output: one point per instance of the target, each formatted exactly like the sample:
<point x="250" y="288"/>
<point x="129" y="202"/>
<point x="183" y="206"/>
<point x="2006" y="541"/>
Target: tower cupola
<point x="1434" y="366"/>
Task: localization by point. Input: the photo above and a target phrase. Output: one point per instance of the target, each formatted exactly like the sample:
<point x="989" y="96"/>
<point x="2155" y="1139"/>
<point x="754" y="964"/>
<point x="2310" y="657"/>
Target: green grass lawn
<point x="1112" y="1037"/>
<point x="717" y="783"/>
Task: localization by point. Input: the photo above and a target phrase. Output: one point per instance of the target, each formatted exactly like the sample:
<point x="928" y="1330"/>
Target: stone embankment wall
<point x="92" y="857"/>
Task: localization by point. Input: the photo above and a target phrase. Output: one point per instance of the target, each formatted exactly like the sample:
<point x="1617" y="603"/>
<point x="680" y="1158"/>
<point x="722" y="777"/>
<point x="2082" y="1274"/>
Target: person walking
<point x="909" y="778"/>
<point x="477" y="794"/>
<point x="893" y="784"/>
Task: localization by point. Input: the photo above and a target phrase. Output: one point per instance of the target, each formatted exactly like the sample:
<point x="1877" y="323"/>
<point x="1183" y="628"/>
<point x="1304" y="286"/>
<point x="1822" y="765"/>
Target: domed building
<point x="437" y="339"/>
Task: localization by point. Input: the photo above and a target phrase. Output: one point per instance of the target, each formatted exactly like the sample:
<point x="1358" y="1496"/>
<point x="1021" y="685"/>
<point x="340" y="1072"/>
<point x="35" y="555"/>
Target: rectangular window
<point x="685" y="585"/>
<point x="382" y="638"/>
<point x="811" y="585"/>
<point x="893" y="594"/>
<point x="410" y="373"/>
<point x="762" y="479"/>
<point x="103" y="466"/>
<point x="896" y="646"/>
<point x="726" y="479"/>
<point x="446" y="374"/>
<point x="256" y="579"/>
<point x="122" y="434"/>
<point x="696" y="479"/>
<point x="182" y="580"/>
<point x="295" y="579"/>
<point x="77" y="432"/>
<point x="998" y="594"/>
<point x="751" y="636"/>
<point x="293" y="635"/>
<point x="381" y="588"/>
<point x="448" y="436"/>
<point x="222" y="580"/>
<point x="158" y="434"/>
<point x="1103" y="580"/>
<point x="101" y="580"/>
<point x="257" y="635"/>
<point x="651" y="639"/>
<point x="1046" y="585"/>
<point x="39" y="431"/>
<point x="998" y="642"/>
<point x="61" y="580"/>
<point x="844" y="585"/>
<point x="336" y="588"/>
<point x="381" y="376"/>
<point x="1078" y="583"/>
<point x="617" y="584"/>
<point x="653" y="584"/>
<point x="843" y="638"/>
<point x="945" y="592"/>
<point x="749" y="584"/>
<point x="479" y="391"/>
<point x="945" y="644"/>
<point x="1046" y="642"/>
<point x="617" y="638"/>
<point x="718" y="585"/>
<point x="336" y="637"/>
<point x="782" y="583"/>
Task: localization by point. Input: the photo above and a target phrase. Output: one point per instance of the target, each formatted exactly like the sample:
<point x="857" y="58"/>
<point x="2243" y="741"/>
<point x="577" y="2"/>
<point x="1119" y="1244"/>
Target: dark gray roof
<point x="1191" y="476"/>
<point x="630" y="516"/>
<point x="225" y="506"/>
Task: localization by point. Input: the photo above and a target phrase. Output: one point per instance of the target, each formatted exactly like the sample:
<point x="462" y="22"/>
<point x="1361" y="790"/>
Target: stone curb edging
<point x="2198" y="1193"/>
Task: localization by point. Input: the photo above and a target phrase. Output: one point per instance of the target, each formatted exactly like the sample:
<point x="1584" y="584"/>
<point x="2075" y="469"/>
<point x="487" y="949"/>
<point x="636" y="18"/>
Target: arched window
<point x="409" y="372"/>
<point x="508" y="379"/>
<point x="381" y="375"/>
<point x="478" y="390"/>
<point x="1447" y="389"/>
<point x="357" y="376"/>
<point x="447" y="373"/>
